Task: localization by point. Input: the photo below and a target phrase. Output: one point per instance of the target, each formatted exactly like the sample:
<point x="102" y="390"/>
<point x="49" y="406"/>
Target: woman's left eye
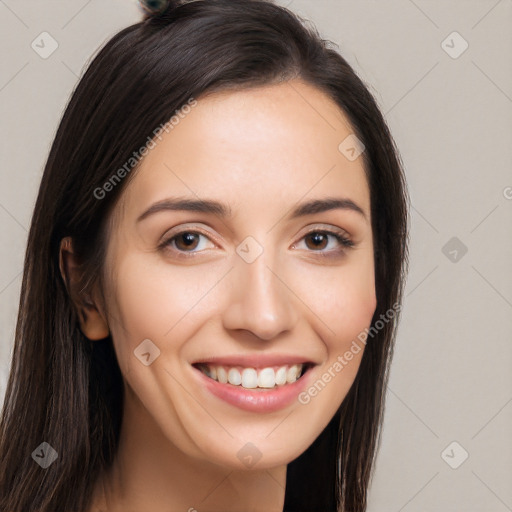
<point x="316" y="241"/>
<point x="320" y="240"/>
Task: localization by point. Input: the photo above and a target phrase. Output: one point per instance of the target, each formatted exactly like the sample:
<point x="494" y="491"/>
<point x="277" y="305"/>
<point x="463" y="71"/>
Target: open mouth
<point x="252" y="378"/>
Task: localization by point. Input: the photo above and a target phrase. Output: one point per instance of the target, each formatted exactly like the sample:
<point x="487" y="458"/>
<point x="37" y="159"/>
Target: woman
<point x="213" y="276"/>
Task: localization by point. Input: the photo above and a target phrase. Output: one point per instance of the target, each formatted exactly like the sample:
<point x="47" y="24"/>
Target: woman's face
<point x="251" y="283"/>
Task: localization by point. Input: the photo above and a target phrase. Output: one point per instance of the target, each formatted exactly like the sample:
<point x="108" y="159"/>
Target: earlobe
<point x="93" y="323"/>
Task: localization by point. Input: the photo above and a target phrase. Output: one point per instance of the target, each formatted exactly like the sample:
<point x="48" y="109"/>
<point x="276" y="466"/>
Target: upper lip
<point x="255" y="361"/>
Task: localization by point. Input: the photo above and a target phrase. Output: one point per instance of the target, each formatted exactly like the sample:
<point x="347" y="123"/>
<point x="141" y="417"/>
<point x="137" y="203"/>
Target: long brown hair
<point x="67" y="391"/>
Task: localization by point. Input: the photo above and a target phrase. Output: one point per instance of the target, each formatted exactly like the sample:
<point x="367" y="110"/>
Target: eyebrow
<point x="224" y="211"/>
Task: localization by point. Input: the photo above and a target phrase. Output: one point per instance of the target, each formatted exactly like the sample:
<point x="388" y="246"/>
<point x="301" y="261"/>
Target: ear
<point x="93" y="322"/>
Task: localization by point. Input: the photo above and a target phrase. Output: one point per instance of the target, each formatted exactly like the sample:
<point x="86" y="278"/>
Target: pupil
<point x="318" y="238"/>
<point x="187" y="239"/>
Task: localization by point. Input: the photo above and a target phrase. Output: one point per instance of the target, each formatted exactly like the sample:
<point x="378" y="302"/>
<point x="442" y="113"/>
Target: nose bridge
<point x="259" y="299"/>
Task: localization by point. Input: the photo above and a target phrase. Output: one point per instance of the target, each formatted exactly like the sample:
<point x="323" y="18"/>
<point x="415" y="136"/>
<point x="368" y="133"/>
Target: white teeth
<point x="281" y="376"/>
<point x="211" y="371"/>
<point x="222" y="375"/>
<point x="234" y="377"/>
<point x="251" y="378"/>
<point x="267" y="378"/>
<point x="292" y="373"/>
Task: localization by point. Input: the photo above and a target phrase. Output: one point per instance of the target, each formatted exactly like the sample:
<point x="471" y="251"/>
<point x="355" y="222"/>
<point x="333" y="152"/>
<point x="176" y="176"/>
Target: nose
<point x="260" y="300"/>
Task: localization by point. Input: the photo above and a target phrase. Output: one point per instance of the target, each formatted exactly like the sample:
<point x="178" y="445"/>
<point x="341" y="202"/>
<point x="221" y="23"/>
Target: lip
<point x="257" y="362"/>
<point x="263" y="401"/>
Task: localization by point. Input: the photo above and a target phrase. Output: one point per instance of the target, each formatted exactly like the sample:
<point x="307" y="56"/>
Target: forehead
<point x="249" y="147"/>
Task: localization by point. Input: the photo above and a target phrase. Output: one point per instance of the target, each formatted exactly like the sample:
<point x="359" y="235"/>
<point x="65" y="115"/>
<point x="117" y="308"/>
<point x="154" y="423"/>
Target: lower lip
<point x="255" y="401"/>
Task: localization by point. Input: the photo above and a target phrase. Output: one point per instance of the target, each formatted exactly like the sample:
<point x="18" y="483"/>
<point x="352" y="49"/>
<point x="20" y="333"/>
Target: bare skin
<point x="261" y="152"/>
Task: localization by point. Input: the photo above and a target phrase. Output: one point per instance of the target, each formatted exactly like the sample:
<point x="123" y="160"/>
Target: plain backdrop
<point x="442" y="73"/>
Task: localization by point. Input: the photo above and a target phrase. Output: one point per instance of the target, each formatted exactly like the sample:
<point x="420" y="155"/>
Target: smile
<point x="263" y="390"/>
<point x="252" y="378"/>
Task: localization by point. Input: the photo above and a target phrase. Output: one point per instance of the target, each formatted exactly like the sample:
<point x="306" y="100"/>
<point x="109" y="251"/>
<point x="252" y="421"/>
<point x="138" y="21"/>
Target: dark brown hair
<point x="67" y="391"/>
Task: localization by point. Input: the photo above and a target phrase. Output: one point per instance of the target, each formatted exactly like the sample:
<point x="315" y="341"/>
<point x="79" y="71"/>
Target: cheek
<point x="353" y="307"/>
<point x="142" y="302"/>
<point x="162" y="303"/>
<point x="342" y="297"/>
<point x="343" y="301"/>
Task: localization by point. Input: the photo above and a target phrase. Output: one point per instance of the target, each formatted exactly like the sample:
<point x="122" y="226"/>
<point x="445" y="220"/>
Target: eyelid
<point x="327" y="227"/>
<point x="187" y="227"/>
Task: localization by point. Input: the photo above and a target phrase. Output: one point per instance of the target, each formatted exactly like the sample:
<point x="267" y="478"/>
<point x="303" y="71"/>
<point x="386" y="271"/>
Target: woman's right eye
<point x="184" y="241"/>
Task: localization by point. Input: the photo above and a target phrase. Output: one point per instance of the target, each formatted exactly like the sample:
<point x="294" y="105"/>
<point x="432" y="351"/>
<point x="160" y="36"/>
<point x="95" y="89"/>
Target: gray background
<point x="451" y="378"/>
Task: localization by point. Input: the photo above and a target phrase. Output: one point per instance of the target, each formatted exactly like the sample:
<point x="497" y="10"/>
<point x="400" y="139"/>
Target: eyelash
<point x="345" y="243"/>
